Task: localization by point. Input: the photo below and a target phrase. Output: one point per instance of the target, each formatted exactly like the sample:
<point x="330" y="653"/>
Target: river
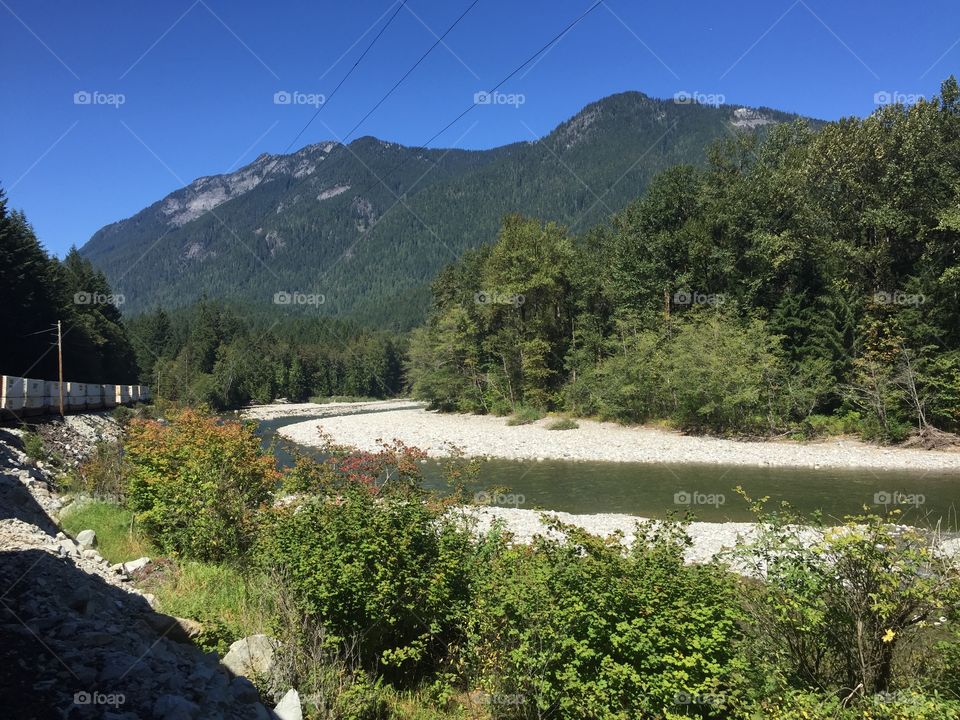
<point x="654" y="490"/>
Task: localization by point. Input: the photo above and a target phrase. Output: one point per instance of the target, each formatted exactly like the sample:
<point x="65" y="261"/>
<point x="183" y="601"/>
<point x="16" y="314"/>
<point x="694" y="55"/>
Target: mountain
<point x="367" y="225"/>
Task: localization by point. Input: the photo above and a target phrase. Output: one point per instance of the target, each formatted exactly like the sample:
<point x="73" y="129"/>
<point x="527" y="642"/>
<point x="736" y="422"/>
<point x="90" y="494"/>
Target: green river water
<point x="653" y="490"/>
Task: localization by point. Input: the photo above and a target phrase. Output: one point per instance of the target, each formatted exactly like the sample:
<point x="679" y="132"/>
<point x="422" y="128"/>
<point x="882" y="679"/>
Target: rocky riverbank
<point x="361" y="424"/>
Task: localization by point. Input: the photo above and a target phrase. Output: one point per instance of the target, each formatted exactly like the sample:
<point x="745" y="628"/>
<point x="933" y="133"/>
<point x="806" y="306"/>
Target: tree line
<point x="803" y="282"/>
<point x="223" y="355"/>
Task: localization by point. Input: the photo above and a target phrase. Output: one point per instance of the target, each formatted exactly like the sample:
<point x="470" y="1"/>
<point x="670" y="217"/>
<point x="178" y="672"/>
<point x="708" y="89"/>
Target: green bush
<point x="903" y="705"/>
<point x="524" y="415"/>
<point x="196" y="483"/>
<point x="384" y="573"/>
<point x="33" y="446"/>
<point x="563" y="424"/>
<point x="577" y="628"/>
<point x="103" y="473"/>
<point x="845" y="609"/>
<point x="122" y="414"/>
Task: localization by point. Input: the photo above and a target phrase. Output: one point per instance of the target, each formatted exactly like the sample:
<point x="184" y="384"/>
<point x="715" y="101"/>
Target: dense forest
<point x="37" y="290"/>
<point x="805" y="282"/>
<point x="209" y="352"/>
<point x="224" y="356"/>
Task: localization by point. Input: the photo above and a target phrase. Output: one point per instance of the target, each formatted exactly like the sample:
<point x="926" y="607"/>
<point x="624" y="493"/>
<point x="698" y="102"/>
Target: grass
<point x="563" y="424"/>
<point x="219" y="596"/>
<point x="33" y="446"/>
<point x="524" y="416"/>
<point x="228" y="604"/>
<point x="117" y="536"/>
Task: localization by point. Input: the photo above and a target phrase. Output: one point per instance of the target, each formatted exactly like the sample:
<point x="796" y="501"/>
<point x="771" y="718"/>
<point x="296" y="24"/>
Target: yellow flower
<point x="888" y="636"/>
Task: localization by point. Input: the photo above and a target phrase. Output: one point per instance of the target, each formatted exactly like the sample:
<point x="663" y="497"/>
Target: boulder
<point x="289" y="706"/>
<point x="87" y="539"/>
<point x="179" y="630"/>
<point x="131" y="566"/>
<point x="251" y="656"/>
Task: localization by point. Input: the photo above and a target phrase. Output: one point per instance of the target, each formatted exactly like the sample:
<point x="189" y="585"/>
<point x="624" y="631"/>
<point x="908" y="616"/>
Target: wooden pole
<point x="60" y="364"/>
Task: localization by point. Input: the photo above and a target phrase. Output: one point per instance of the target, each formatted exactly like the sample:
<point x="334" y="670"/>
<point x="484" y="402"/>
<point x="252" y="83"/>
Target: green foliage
<point x="37" y="290"/>
<point x="382" y="571"/>
<point x="196" y="483"/>
<point x="576" y="628"/>
<point x="103" y="474"/>
<point x="215" y="354"/>
<point x="524" y="415"/>
<point x="563" y="424"/>
<point x="33" y="446"/>
<point x="118" y="537"/>
<point x="840" y="606"/>
<point x="796" y="275"/>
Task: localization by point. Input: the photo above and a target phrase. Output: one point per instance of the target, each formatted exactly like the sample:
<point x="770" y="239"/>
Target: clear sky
<point x="184" y="88"/>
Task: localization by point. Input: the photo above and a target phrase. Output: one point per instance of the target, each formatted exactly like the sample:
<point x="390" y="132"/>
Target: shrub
<point x="563" y="424"/>
<point x="524" y="415"/>
<point x="576" y="628"/>
<point x="840" y="607"/>
<point x="33" y="446"/>
<point x="122" y="414"/>
<point x="721" y="375"/>
<point x="385" y="573"/>
<point x="889" y="706"/>
<point x="103" y="473"/>
<point x="196" y="483"/>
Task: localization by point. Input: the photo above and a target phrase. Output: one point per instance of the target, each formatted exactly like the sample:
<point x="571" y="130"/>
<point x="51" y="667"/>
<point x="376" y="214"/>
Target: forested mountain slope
<point x="328" y="219"/>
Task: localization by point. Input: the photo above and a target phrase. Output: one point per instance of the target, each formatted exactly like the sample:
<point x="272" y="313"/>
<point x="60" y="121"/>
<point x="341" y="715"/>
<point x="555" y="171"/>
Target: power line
<point x="446" y="32"/>
<point x="344" y="79"/>
<point x="492" y="90"/>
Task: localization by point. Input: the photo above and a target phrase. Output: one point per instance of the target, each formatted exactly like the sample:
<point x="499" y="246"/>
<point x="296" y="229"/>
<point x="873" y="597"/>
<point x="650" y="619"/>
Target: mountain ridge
<point x="329" y="208"/>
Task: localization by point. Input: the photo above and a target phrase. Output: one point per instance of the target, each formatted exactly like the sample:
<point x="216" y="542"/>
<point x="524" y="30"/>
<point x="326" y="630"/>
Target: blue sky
<point x="197" y="78"/>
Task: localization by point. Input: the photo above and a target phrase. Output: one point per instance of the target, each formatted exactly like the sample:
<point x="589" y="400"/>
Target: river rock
<point x="289" y="706"/>
<point x="87" y="539"/>
<point x="131" y="566"/>
<point x="251" y="655"/>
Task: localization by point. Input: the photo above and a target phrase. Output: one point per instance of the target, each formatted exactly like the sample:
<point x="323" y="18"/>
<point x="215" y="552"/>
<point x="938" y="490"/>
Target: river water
<point x="654" y="490"/>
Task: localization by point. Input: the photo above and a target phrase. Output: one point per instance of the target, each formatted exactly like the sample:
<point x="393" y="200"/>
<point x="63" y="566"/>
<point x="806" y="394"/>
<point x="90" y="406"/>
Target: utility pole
<point x="60" y="364"/>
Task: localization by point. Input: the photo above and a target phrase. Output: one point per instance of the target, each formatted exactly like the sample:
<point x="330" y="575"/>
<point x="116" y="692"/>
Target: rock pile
<point x="77" y="640"/>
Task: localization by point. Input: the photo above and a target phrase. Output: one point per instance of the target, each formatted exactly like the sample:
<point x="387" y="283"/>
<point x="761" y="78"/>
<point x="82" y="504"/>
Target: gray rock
<point x="131" y="566"/>
<point x="174" y="707"/>
<point x="251" y="655"/>
<point x="289" y="706"/>
<point x="87" y="539"/>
